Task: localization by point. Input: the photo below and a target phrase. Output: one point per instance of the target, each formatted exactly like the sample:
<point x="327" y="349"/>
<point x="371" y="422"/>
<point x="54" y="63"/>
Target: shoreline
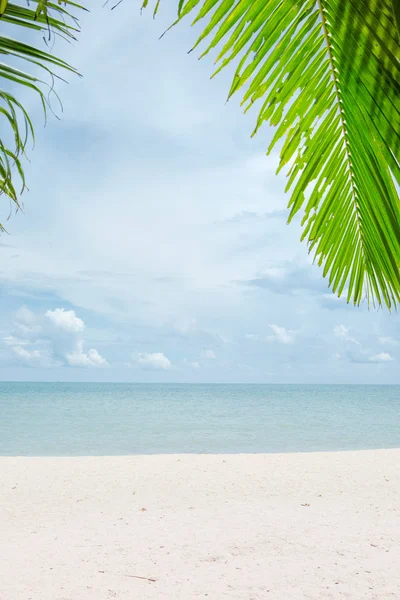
<point x="188" y="454"/>
<point x="307" y="526"/>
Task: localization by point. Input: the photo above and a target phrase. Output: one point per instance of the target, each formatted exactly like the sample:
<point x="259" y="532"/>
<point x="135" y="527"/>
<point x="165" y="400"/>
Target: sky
<point x="153" y="244"/>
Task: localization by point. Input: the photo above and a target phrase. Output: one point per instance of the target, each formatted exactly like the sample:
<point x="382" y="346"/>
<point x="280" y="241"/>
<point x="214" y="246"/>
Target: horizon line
<point x="199" y="383"/>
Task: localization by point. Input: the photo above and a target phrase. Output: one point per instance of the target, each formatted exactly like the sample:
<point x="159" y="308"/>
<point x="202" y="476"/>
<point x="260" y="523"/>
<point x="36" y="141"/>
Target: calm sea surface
<point x="59" y="419"/>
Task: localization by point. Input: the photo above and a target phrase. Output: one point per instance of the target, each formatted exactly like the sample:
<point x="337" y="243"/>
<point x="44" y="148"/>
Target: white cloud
<point x="361" y="354"/>
<point x="252" y="336"/>
<point x="208" y="354"/>
<point x="363" y="358"/>
<point x="156" y="360"/>
<point x="281" y="335"/>
<point x="33" y="357"/>
<point x="66" y="329"/>
<point x="382" y="357"/>
<point x="55" y="338"/>
<point x="91" y="358"/>
<point x="65" y="320"/>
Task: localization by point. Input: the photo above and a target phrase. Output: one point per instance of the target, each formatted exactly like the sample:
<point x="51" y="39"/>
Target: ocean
<point x="75" y="419"/>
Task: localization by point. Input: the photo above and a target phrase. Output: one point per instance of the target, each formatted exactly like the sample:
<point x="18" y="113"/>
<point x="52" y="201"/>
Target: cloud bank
<point x="55" y="338"/>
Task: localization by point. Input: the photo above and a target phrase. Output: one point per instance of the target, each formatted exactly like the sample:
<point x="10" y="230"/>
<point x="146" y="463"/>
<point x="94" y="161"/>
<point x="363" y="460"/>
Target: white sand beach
<point x="245" y="527"/>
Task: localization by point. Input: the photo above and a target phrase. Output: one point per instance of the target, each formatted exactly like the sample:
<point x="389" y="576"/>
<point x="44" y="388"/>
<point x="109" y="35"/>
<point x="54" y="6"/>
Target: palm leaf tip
<point x="325" y="73"/>
<point x="47" y="17"/>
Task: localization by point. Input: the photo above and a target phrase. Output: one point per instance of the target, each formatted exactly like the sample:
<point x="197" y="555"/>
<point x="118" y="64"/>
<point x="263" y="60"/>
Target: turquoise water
<point x="58" y="419"/>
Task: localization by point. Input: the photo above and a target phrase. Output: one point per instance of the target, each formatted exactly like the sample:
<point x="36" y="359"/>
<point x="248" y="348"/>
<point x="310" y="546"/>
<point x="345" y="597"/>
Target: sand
<point x="245" y="527"/>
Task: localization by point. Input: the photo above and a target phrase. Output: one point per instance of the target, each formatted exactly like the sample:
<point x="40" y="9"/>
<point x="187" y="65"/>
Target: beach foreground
<point x="245" y="527"/>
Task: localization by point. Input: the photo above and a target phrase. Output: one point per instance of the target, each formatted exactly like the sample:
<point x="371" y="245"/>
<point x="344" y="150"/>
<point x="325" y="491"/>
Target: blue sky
<point x="153" y="244"/>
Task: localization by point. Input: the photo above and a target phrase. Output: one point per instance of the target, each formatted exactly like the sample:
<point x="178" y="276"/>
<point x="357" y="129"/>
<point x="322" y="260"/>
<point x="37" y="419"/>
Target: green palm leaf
<point x="326" y="75"/>
<point x="47" y="19"/>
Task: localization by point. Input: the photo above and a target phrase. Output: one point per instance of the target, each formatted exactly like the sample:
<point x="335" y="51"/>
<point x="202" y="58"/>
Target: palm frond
<point x="45" y="19"/>
<point x="326" y="75"/>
